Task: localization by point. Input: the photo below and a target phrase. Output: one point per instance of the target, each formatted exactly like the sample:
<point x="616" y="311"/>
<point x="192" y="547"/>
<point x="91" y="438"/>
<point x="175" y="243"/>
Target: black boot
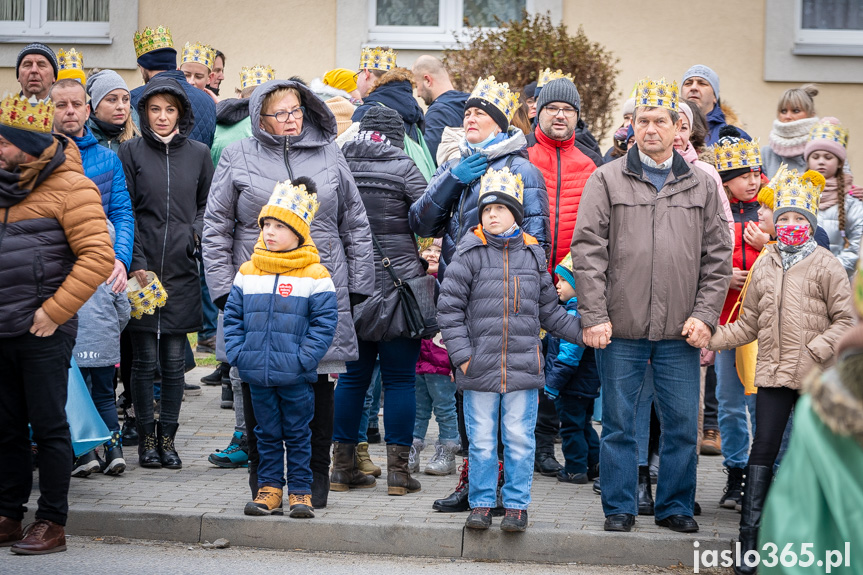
<point x="167" y="451"/>
<point x="218" y="376"/>
<point x="346" y="475"/>
<point x="645" y="497"/>
<point x="129" y="430"/>
<point x="148" y="445"/>
<point x="227" y="396"/>
<point x="399" y="480"/>
<point x="733" y="493"/>
<point x="545" y="463"/>
<point x="320" y="489"/>
<point x="114" y="462"/>
<point x="456" y="501"/>
<point x="756" y="485"/>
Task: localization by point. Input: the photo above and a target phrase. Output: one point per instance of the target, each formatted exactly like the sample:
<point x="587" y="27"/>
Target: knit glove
<point x="470" y="168"/>
<point x="551" y="392"/>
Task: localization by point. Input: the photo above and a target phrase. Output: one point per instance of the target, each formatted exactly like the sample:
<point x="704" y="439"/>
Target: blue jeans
<point x="733" y="404"/>
<point x="398" y="360"/>
<point x="642" y="417"/>
<point x="436" y="392"/>
<point x="100" y="381"/>
<point x="209" y="311"/>
<point x="283" y="415"/>
<point x="677" y="383"/>
<point x="372" y="405"/>
<point x="517" y="413"/>
<point x="580" y="441"/>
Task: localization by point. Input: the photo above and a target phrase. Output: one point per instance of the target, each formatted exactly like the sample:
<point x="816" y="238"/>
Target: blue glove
<point x="470" y="168"/>
<point x="551" y="392"/>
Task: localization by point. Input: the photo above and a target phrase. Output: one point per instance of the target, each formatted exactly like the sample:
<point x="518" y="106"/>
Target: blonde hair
<point x="276" y="95"/>
<point x="130" y="130"/>
<point x="801" y="98"/>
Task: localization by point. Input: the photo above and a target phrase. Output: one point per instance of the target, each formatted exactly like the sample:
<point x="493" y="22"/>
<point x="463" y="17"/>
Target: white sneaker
<point x="443" y="460"/>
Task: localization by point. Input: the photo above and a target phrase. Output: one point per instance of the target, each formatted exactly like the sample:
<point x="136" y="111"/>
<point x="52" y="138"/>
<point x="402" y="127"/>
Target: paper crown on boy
<point x="827" y="135"/>
<point x="734" y="155"/>
<point x="564" y="270"/>
<point x="495" y="99"/>
<point x="294" y="204"/>
<point x="798" y="193"/>
<point x="505" y="188"/>
<point x="71" y="65"/>
<point x="198" y="53"/>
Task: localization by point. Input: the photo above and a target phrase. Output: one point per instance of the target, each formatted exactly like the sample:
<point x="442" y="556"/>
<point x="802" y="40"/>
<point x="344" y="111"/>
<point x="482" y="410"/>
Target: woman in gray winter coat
<point x="293" y="135"/>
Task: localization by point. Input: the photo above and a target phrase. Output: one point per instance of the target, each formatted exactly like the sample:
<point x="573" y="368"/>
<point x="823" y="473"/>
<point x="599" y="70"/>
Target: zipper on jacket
<point x="38" y="274"/>
<point x="516" y="299"/>
<point x="505" y="314"/>
<point x="165" y="238"/>
<point x="269" y="328"/>
<point x="287" y="159"/>
<point x="742" y="239"/>
<point x="556" y="216"/>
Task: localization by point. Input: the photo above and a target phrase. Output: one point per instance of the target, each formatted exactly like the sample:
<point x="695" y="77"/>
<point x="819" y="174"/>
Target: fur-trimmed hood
<point x="325" y="92"/>
<point x="395" y="75"/>
<point x="731" y="116"/>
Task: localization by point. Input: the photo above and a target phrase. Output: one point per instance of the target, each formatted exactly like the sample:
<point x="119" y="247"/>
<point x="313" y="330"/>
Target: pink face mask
<point x="793" y="235"/>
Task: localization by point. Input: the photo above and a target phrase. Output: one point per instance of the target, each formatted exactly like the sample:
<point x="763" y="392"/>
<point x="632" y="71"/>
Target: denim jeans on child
<point x="733" y="405"/>
<point x="580" y="442"/>
<point x="436" y="392"/>
<point x="100" y="380"/>
<point x="517" y="413"/>
<point x="677" y="383"/>
<point x="283" y="414"/>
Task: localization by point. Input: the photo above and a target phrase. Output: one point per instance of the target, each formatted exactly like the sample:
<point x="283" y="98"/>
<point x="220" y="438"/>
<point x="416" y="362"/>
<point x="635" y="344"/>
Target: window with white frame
<point x="829" y="27"/>
<point x="86" y="21"/>
<point x="435" y="24"/>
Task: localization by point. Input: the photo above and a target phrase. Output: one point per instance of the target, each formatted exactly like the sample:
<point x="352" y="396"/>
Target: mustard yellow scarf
<point x="284" y="262"/>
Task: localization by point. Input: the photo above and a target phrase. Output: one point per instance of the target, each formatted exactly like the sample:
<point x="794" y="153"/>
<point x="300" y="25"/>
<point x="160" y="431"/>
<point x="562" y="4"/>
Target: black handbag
<point x="417" y="297"/>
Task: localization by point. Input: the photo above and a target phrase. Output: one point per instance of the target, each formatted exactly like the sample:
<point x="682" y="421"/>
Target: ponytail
<point x="840" y="184"/>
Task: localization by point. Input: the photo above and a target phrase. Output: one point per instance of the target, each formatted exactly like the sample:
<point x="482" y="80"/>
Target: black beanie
<point x="516" y="207"/>
<point x="161" y="59"/>
<point x="729" y="135"/>
<point x="529" y="91"/>
<point x="386" y="121"/>
<point x="28" y="141"/>
<point x="489" y="109"/>
<point x="40" y="49"/>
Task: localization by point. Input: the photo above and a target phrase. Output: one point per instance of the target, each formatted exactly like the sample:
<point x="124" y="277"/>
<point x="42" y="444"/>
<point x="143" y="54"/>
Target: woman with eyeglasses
<point x="293" y="135"/>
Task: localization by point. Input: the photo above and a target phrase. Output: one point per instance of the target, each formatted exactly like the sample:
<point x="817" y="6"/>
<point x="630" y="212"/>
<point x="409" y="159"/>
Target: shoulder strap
<point x="742" y="296"/>
<point x="531" y="139"/>
<point x="510" y="160"/>
<point x="385" y="261"/>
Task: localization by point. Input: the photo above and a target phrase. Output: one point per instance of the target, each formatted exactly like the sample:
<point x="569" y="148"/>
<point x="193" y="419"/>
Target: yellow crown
<point x="145" y="299"/>
<point x="767" y="195"/>
<point x="659" y="94"/>
<point x="256" y="75"/>
<point x="546" y="76"/>
<point x="502" y="182"/>
<point x="499" y="94"/>
<point x="151" y="39"/>
<point x="378" y="58"/>
<point x="71" y="60"/>
<point x="32" y="115"/>
<point x="829" y="131"/>
<point x="801" y="192"/>
<point x="736" y="155"/>
<point x="295" y="199"/>
<point x="199" y="53"/>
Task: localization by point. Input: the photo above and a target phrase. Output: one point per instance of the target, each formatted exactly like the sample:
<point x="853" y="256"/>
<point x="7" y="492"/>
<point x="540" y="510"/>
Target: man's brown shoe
<point x="10" y="531"/>
<point x="40" y="538"/>
<point x="712" y="443"/>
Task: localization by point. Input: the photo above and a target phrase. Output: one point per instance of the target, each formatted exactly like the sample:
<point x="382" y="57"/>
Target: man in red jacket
<point x="565" y="169"/>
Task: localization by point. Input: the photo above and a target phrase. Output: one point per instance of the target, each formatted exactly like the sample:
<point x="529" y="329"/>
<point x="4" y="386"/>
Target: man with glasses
<point x="552" y="148"/>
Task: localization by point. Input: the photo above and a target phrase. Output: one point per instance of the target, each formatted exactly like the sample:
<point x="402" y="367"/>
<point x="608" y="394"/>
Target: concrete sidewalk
<point x="202" y="502"/>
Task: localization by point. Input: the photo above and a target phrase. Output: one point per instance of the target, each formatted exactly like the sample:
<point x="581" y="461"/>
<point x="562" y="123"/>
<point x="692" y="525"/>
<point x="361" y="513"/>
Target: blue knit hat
<point x="564" y="270"/>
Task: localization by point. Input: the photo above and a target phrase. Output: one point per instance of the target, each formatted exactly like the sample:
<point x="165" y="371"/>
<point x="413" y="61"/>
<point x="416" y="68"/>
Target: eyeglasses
<point x="282" y="117"/>
<point x="553" y="111"/>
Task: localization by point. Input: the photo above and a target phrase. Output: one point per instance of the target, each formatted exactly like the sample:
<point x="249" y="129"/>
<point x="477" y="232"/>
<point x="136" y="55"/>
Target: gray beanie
<point x="101" y="84"/>
<point x="386" y="121"/>
<point x="560" y="90"/>
<point x="702" y="71"/>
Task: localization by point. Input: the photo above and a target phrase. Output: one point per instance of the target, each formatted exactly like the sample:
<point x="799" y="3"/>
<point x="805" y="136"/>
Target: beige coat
<point x="813" y="304"/>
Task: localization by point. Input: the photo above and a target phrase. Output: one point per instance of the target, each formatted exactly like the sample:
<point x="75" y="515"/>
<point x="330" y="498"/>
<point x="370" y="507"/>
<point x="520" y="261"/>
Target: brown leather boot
<point x="40" y="538"/>
<point x="346" y="475"/>
<point x="399" y="480"/>
<point x="10" y="531"/>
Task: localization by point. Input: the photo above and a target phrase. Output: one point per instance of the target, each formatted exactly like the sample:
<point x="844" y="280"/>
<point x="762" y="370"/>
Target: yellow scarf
<point x="283" y="262"/>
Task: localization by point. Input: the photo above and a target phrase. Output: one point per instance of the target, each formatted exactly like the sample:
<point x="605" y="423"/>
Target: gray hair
<point x="675" y="116"/>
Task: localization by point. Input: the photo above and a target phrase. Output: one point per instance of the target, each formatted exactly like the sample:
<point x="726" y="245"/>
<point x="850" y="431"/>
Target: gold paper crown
<point x="295" y="199"/>
<point x="32" y="115"/>
<point x="502" y="182"/>
<point x="256" y="75"/>
<point x="801" y="192"/>
<point x="736" y="155"/>
<point x="378" y="58"/>
<point x="767" y="195"/>
<point x="71" y="60"/>
<point x="829" y="131"/>
<point x="546" y="76"/>
<point x="150" y="39"/>
<point x="499" y="94"/>
<point x="199" y="53"/>
<point x="145" y="299"/>
<point x="659" y="94"/>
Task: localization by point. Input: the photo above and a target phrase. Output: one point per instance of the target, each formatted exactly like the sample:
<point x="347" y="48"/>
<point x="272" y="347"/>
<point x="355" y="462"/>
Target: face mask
<point x="484" y="143"/>
<point x="793" y="235"/>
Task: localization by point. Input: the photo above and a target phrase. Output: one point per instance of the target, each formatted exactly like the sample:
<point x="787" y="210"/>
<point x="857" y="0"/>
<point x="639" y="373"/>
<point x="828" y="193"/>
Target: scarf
<point x="284" y="262"/>
<point x="795" y="254"/>
<point x="165" y="139"/>
<point x="111" y="131"/>
<point x="787" y="139"/>
<point x="371" y="136"/>
<point x="830" y="195"/>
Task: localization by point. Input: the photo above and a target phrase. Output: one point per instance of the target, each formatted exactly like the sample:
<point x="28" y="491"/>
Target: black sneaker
<point x="578" y="478"/>
<point x="515" y="520"/>
<point x="479" y="518"/>
<point x="192" y="389"/>
<point x="227" y="396"/>
<point x="85" y="464"/>
<point x="218" y="376"/>
<point x="546" y="464"/>
<point x="129" y="431"/>
<point x="373" y="435"/>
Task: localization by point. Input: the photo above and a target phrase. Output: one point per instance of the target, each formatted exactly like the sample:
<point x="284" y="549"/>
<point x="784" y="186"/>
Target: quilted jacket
<point x="571" y="368"/>
<point x="829" y="220"/>
<point x="203" y="107"/>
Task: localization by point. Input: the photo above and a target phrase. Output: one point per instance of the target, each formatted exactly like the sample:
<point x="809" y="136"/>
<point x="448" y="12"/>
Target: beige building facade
<point x="759" y="48"/>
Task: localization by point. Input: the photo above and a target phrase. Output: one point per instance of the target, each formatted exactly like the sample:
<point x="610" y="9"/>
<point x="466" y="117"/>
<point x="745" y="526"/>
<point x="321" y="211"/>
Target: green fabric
<point x="226" y="135"/>
<point x="420" y="154"/>
<point x="817" y="497"/>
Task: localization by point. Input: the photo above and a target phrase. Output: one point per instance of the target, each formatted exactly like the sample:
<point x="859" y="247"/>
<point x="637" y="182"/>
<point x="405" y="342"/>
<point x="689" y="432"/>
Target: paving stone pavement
<point x="200" y="489"/>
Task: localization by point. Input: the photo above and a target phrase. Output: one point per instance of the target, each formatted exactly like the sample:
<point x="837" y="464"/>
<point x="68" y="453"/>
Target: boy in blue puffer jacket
<point x="280" y="319"/>
<point x="572" y="381"/>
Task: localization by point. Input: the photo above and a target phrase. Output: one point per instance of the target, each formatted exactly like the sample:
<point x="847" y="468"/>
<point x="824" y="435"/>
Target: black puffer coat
<point x="496" y="295"/>
<point x="169" y="186"/>
<point x="389" y="183"/>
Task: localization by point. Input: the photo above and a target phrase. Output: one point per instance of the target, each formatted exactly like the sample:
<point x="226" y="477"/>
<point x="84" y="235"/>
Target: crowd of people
<point x="482" y="261"/>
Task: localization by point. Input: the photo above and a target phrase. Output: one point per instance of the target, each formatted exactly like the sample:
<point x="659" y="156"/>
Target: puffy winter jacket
<point x="278" y="326"/>
<point x="105" y="169"/>
<point x="389" y="183"/>
<point x="433" y="357"/>
<point x="829" y="220"/>
<point x="244" y="180"/>
<point x="569" y="367"/>
<point x="565" y="170"/>
<point x="104" y="141"/>
<point x="496" y="295"/>
<point x="232" y="124"/>
<point x="797" y="317"/>
<point x="447" y="110"/>
<point x="448" y="208"/>
<point x="744" y="255"/>
<point x="203" y="107"/>
<point x="54" y="244"/>
<point x="395" y="91"/>
<point x="168" y="185"/>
